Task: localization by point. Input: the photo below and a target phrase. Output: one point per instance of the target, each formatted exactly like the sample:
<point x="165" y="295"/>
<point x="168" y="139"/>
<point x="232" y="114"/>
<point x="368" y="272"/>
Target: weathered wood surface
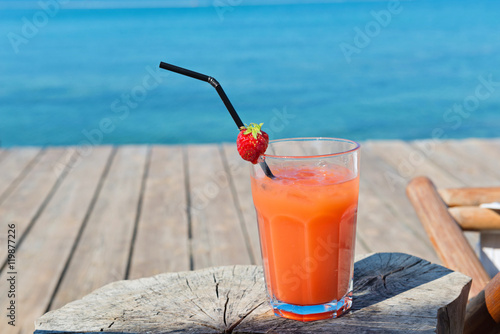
<point x="470" y="196"/>
<point x="393" y="293"/>
<point x="163" y="222"/>
<point x="102" y="251"/>
<point x="217" y="234"/>
<point x="475" y="218"/>
<point x="53" y="236"/>
<point x="166" y="208"/>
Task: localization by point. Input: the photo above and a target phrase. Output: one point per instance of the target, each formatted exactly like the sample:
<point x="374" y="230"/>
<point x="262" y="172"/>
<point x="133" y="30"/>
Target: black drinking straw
<point x="223" y="96"/>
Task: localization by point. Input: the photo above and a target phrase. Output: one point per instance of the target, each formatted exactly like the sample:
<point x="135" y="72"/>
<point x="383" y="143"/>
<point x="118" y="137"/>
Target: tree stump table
<point x="393" y="293"/>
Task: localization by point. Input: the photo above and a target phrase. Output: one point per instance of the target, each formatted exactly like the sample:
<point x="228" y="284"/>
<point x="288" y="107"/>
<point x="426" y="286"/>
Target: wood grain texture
<point x="445" y="234"/>
<point x="492" y="298"/>
<point x="162" y="240"/>
<point x="31" y="190"/>
<point x="469" y="196"/>
<point x="450" y="156"/>
<point x="14" y="166"/>
<point x="388" y="209"/>
<point x="412" y="160"/>
<point x="27" y="200"/>
<point x="102" y="253"/>
<point x="217" y="235"/>
<point x="239" y="170"/>
<point x="45" y="250"/>
<point x="480" y="155"/>
<point x="393" y="293"/>
<point x="474" y="218"/>
<point x="490" y="151"/>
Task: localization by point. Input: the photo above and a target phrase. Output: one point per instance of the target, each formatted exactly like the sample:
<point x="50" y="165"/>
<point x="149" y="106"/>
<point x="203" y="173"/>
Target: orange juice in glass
<point x="307" y="225"/>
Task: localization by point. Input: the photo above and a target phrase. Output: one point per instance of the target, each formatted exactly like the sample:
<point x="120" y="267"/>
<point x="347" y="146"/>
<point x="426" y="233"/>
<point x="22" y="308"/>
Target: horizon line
<point x="129" y="4"/>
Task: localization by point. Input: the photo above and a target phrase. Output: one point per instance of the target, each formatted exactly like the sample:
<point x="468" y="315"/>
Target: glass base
<point x="333" y="309"/>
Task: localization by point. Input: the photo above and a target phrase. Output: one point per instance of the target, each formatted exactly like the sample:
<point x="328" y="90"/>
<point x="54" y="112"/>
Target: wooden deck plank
<point x="102" y="253"/>
<point x="482" y="155"/>
<point x="14" y="166"/>
<point x="410" y="162"/>
<point x="390" y="202"/>
<point x="389" y="186"/>
<point x="53" y="235"/>
<point x="27" y="200"/>
<point x="223" y="225"/>
<point x="162" y="240"/>
<point x="217" y="236"/>
<point x="381" y="230"/>
<point x="465" y="170"/>
<point x="361" y="246"/>
<point x="240" y="175"/>
<point x="3" y="153"/>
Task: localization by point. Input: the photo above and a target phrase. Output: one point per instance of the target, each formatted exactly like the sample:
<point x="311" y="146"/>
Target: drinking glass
<point x="307" y="225"/>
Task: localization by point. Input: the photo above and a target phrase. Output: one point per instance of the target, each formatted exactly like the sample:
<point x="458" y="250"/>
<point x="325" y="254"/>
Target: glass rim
<point x="274" y="156"/>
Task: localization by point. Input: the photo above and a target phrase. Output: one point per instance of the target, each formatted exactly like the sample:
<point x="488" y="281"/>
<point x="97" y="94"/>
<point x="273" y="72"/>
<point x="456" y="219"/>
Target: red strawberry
<point x="252" y="142"/>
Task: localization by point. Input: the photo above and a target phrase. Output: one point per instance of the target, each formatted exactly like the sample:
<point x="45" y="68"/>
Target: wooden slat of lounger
<point x="45" y="250"/>
<point x="475" y="218"/>
<point x="240" y="175"/>
<point x="480" y="158"/>
<point x="162" y="241"/>
<point x="217" y="236"/>
<point x="14" y="165"/>
<point x="444" y="232"/>
<point x="102" y="252"/>
<point x="388" y="208"/>
<point x="27" y="200"/>
<point x="470" y="196"/>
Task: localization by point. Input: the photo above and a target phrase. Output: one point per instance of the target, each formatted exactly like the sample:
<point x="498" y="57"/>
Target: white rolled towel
<point x="494" y="205"/>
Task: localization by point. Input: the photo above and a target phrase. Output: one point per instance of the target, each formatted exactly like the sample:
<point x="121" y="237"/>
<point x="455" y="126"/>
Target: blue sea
<point x="74" y="72"/>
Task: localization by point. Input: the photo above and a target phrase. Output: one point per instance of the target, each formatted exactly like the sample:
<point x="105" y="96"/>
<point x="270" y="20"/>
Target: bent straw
<point x="223" y="96"/>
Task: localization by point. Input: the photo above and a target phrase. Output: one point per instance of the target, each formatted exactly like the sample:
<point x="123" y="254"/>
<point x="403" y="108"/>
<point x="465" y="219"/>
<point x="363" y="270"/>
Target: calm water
<point x="92" y="73"/>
